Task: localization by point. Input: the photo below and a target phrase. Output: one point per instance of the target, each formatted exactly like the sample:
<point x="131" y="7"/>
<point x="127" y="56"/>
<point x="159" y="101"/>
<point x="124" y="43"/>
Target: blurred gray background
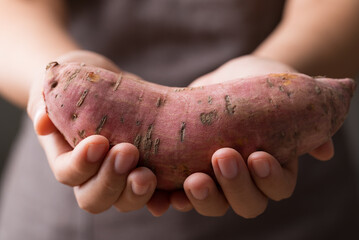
<point x="11" y="117"/>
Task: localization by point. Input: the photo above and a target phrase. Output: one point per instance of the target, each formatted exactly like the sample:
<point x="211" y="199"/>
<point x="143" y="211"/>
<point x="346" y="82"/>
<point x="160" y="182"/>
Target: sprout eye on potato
<point x="178" y="129"/>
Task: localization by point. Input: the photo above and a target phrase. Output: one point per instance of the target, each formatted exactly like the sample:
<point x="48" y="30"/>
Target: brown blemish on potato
<point x="74" y="141"/>
<point x="210" y="100"/>
<point x="51" y="65"/>
<point x="282" y="89"/>
<point x="158" y="102"/>
<point x="82" y="134"/>
<point x="287" y="82"/>
<point x="184" y="170"/>
<point x="118" y="82"/>
<point x="208" y="118"/>
<point x="310" y="107"/>
<point x="140" y="97"/>
<point x="93" y="77"/>
<point x="147" y="142"/>
<point x="157" y="145"/>
<point x="229" y="107"/>
<point x="182" y="131"/>
<point x="74" y="116"/>
<point x="54" y="85"/>
<point x="137" y="141"/>
<point x="283" y="76"/>
<point x="269" y="83"/>
<point x="180" y="89"/>
<point x="102" y="123"/>
<point x="318" y="90"/>
<point x="72" y="76"/>
<point x="82" y="98"/>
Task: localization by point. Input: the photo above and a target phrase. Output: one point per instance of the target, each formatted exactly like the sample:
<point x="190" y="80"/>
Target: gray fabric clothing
<point x="172" y="42"/>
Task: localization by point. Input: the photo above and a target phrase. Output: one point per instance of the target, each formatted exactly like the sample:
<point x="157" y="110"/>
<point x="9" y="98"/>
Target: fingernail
<point x="37" y="116"/>
<point x="37" y="122"/>
<point x="95" y="152"/>
<point x="124" y="163"/>
<point x="139" y="189"/>
<point x="261" y="168"/>
<point x="200" y="194"/>
<point x="228" y="167"/>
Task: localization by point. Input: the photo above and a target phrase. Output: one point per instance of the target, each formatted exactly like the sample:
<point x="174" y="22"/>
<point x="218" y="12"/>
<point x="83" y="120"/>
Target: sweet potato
<point x="178" y="129"/>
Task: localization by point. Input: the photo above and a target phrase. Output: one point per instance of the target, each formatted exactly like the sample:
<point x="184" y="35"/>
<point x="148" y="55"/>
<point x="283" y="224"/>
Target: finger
<point x="90" y="58"/>
<point x="324" y="152"/>
<point x="180" y="201"/>
<point x="204" y="195"/>
<point x="141" y="184"/>
<point x="42" y="123"/>
<point x="74" y="167"/>
<point x="36" y="110"/>
<point x="232" y="174"/>
<point x="102" y="190"/>
<point x="159" y="203"/>
<point x="203" y="80"/>
<point x="275" y="181"/>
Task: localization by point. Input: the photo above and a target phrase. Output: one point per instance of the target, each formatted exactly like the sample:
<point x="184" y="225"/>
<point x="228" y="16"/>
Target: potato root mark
<point x="208" y="118"/>
<point x="100" y="126"/>
<point x="82" y="98"/>
<point x="118" y="82"/>
<point x="229" y="107"/>
<point x="182" y="131"/>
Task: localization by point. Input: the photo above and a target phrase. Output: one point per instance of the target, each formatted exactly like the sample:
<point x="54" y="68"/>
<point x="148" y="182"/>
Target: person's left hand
<point x="246" y="185"/>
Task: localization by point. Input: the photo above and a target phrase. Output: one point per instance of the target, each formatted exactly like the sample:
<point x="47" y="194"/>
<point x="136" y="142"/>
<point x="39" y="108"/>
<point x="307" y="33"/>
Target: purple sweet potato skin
<point x="178" y="129"/>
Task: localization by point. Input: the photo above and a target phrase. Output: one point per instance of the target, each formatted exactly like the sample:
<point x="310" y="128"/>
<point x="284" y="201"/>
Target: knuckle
<point x="127" y="207"/>
<point x="286" y="193"/>
<point x="68" y="176"/>
<point x="110" y="188"/>
<point x="251" y="215"/>
<point x="63" y="178"/>
<point x="89" y="207"/>
<point x="89" y="204"/>
<point x="220" y="212"/>
<point x="281" y="197"/>
<point x="252" y="212"/>
<point x="122" y="209"/>
<point x="130" y="202"/>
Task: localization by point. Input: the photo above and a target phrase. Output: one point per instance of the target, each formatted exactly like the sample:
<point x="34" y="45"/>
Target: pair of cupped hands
<point x="103" y="177"/>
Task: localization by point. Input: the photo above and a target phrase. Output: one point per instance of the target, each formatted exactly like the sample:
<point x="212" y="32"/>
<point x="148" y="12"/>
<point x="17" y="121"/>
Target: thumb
<point x="36" y="109"/>
<point x="324" y="152"/>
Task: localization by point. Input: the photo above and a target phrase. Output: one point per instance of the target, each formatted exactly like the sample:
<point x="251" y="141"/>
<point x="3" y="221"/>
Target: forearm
<point x="33" y="33"/>
<point x="317" y="37"/>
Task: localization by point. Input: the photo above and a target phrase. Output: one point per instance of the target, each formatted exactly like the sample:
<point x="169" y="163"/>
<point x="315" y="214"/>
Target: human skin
<point x="297" y="42"/>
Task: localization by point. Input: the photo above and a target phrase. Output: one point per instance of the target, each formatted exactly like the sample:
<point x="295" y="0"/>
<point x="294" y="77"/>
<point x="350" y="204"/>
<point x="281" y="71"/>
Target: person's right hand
<point x="101" y="177"/>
